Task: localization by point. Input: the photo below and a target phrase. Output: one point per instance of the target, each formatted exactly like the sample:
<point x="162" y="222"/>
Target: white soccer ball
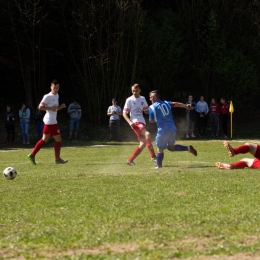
<point x="10" y="173"/>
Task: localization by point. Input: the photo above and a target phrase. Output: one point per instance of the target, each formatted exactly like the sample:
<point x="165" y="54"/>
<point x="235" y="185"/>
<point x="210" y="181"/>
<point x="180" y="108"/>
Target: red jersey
<point x="215" y="108"/>
<point x="225" y="108"/>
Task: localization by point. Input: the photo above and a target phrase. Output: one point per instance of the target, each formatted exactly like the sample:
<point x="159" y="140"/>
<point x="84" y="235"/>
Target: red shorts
<point x="256" y="164"/>
<point x="138" y="127"/>
<point x="257" y="153"/>
<point x="51" y="130"/>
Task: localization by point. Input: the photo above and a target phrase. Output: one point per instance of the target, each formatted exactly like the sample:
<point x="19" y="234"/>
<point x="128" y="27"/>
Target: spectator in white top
<point x="114" y="112"/>
<point x="74" y="111"/>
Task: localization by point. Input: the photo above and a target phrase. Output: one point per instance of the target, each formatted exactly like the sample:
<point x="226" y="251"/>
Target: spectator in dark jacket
<point x="9" y="125"/>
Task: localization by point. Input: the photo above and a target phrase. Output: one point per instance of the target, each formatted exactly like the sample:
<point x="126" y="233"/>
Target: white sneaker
<point x="154" y="160"/>
<point x="187" y="136"/>
<point x="130" y="163"/>
<point x="192" y="135"/>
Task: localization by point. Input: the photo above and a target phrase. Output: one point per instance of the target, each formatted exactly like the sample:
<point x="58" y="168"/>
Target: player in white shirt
<point x="136" y="105"/>
<point x="50" y="103"/>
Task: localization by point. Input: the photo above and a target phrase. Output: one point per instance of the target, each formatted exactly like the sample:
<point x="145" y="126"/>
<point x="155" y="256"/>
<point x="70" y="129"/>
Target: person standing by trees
<point x="202" y="110"/>
<point x="9" y="125"/>
<point x="114" y="112"/>
<point x="224" y="116"/>
<point x="214" y="112"/>
<point x="24" y="114"/>
<point x="74" y="111"/>
<point x="190" y="117"/>
<point x="50" y="103"/>
<point x="136" y="105"/>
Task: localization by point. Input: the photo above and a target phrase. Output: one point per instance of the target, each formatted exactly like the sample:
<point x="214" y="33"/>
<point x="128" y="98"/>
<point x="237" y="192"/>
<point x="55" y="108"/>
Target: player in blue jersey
<point x="160" y="112"/>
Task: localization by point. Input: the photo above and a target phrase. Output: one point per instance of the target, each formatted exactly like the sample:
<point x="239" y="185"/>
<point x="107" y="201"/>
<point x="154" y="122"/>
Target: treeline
<point x="97" y="49"/>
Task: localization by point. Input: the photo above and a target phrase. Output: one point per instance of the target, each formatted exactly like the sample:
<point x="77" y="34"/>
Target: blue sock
<point x="159" y="159"/>
<point x="177" y="148"/>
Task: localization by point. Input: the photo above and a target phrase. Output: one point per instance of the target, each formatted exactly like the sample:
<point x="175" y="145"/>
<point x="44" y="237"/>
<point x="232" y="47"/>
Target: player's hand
<point x="189" y="107"/>
<point x="131" y="124"/>
<point x="62" y="105"/>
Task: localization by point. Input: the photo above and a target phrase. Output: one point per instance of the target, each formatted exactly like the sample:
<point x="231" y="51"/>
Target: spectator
<point x="74" y="110"/>
<point x="9" y="125"/>
<point x="39" y="123"/>
<point x="24" y="114"/>
<point x="202" y="111"/>
<point x="190" y="117"/>
<point x="114" y="112"/>
<point x="224" y="116"/>
<point x="214" y="112"/>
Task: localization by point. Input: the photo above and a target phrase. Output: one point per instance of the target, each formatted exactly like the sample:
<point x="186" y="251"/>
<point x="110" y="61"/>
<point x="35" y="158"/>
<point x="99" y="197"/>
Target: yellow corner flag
<point x="231" y="110"/>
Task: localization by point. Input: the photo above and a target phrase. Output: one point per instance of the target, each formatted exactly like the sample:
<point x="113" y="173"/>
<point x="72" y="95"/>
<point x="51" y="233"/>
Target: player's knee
<point x="142" y="145"/>
<point x="147" y="135"/>
<point x="170" y="148"/>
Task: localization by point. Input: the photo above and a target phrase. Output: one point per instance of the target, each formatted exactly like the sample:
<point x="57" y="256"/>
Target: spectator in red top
<point x="214" y="111"/>
<point x="224" y="116"/>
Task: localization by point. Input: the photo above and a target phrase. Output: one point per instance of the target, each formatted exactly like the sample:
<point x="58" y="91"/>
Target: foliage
<point x="98" y="49"/>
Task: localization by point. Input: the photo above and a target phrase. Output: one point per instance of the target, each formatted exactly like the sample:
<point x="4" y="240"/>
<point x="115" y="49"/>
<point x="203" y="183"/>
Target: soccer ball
<point x="10" y="173"/>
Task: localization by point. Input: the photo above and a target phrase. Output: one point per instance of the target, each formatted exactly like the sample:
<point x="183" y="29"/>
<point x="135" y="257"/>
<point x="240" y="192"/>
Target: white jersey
<point x="136" y="106"/>
<point x="50" y="100"/>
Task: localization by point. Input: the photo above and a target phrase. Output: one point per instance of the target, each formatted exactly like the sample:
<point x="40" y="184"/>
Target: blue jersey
<point x="161" y="113"/>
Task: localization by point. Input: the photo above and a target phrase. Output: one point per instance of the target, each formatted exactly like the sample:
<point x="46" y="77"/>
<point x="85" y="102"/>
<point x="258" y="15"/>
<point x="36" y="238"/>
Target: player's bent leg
<point x="252" y="148"/>
<point x="251" y="163"/>
<point x="238" y="165"/>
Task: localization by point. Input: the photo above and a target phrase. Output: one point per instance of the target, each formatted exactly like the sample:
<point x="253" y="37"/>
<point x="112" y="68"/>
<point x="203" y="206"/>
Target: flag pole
<point x="231" y="110"/>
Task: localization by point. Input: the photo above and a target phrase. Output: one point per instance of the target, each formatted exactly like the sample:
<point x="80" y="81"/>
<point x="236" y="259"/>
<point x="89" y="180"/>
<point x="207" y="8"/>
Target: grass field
<point x="97" y="207"/>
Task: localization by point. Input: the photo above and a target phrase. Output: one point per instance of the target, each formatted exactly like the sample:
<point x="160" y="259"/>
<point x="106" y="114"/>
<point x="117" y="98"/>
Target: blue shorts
<point x="165" y="139"/>
<point x="74" y="124"/>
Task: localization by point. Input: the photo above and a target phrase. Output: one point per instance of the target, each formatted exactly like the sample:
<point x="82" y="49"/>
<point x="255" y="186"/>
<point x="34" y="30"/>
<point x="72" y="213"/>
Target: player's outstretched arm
<point x="186" y="106"/>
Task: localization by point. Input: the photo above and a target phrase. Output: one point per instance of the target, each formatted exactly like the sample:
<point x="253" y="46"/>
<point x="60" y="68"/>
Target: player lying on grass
<point x="254" y="149"/>
<point x="160" y="112"/>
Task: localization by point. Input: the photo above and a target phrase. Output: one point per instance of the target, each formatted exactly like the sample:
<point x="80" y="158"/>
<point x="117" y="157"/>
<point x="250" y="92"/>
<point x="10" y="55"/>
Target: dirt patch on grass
<point x="240" y="256"/>
<point x="103" y="250"/>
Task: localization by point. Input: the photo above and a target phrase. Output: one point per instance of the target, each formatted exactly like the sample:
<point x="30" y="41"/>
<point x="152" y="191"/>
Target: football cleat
<point x="131" y="163"/>
<point x="154" y="160"/>
<point x="229" y="148"/>
<point x="192" y="150"/>
<point x="32" y="159"/>
<point x="61" y="161"/>
<point x="222" y="165"/>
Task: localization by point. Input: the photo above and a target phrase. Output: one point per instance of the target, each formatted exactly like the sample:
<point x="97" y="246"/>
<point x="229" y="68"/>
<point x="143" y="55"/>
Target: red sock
<point x="136" y="152"/>
<point x="238" y="165"/>
<point x="150" y="148"/>
<point x="37" y="147"/>
<point x="242" y="149"/>
<point x="57" y="146"/>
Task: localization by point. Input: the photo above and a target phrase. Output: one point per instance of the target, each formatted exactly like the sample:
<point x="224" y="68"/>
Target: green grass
<point x="97" y="207"/>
